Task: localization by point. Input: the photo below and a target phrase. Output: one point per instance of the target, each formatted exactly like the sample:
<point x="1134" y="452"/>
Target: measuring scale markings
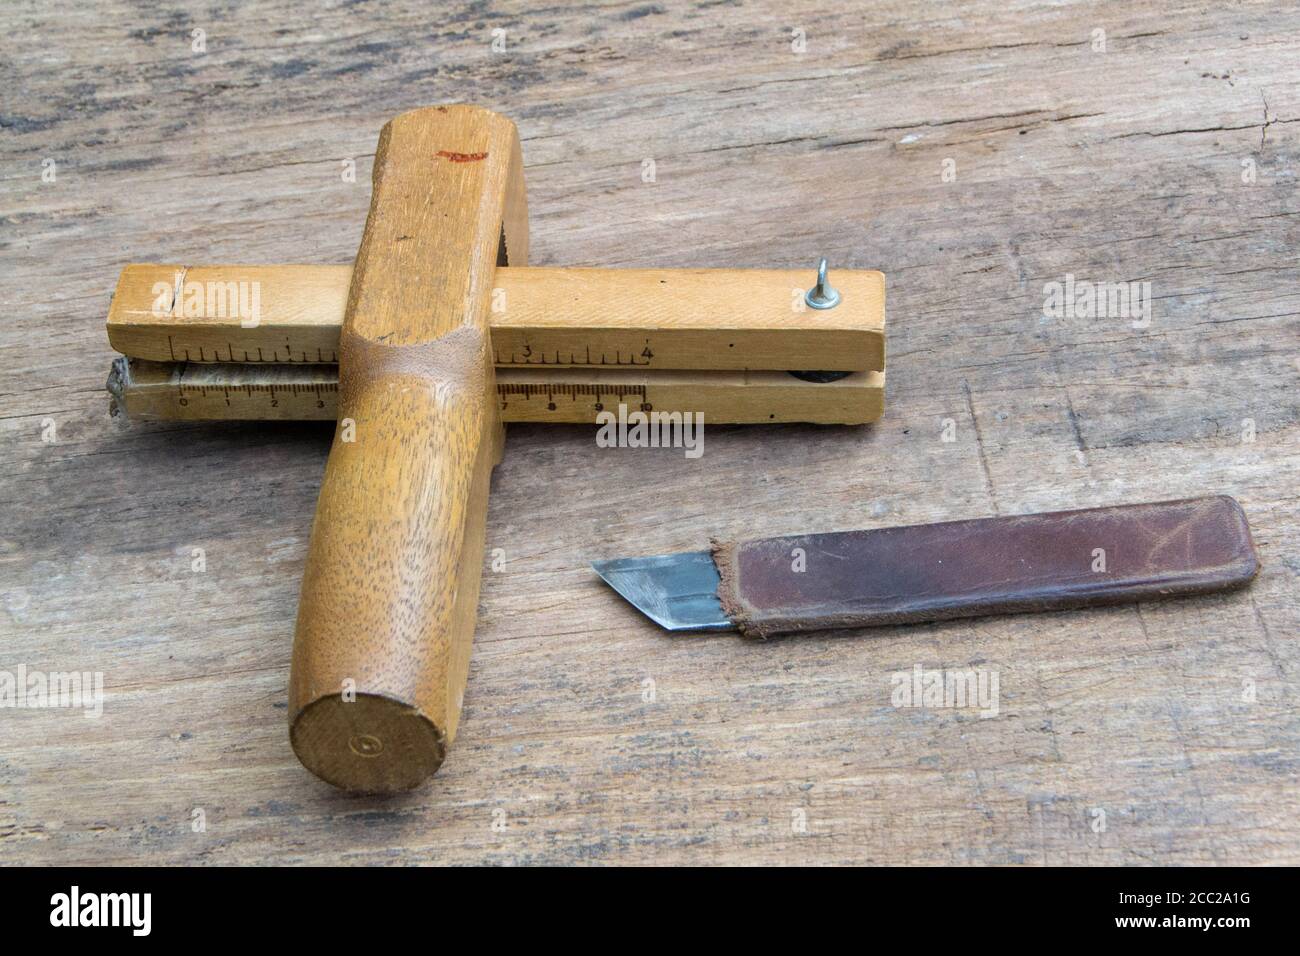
<point x="290" y="354"/>
<point x="573" y="391"/>
<point x="273" y="392"/>
<point x="643" y="359"/>
<point x="272" y="395"/>
<point x="255" y="357"/>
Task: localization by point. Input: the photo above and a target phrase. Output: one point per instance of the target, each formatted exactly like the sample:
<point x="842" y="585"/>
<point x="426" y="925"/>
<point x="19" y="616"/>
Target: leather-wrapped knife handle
<point x="1037" y="562"/>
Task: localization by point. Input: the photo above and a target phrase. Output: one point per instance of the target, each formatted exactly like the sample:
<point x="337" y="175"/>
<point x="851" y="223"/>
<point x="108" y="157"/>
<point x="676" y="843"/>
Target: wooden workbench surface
<point x="1162" y="733"/>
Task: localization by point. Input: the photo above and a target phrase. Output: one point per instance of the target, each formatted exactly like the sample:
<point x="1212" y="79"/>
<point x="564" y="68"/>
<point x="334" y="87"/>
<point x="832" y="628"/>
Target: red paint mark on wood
<point x="462" y="157"/>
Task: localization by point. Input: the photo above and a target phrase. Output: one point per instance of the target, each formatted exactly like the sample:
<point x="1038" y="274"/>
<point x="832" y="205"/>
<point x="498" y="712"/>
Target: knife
<point x="933" y="572"/>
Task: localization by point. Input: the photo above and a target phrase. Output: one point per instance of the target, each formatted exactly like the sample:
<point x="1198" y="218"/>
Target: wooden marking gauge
<point x="566" y="343"/>
<point x="434" y="337"/>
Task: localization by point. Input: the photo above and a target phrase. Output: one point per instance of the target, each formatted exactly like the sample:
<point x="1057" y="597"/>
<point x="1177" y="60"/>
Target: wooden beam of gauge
<point x="160" y="391"/>
<point x="539" y="317"/>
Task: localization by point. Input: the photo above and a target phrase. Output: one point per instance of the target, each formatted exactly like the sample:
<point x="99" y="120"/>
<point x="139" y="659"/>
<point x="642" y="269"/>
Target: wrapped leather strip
<point x="933" y="572"/>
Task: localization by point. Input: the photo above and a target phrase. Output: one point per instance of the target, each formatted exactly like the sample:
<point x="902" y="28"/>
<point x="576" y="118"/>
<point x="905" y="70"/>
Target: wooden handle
<point x="390" y="590"/>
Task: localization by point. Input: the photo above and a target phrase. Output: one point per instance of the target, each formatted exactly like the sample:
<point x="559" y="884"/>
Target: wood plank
<point x="589" y="735"/>
<point x="161" y="391"/>
<point x="543" y="317"/>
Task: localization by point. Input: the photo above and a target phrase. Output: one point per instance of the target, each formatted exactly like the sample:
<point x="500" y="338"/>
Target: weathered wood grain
<point x="1122" y="165"/>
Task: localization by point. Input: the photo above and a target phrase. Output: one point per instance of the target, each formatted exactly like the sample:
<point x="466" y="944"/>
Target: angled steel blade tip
<point x="678" y="592"/>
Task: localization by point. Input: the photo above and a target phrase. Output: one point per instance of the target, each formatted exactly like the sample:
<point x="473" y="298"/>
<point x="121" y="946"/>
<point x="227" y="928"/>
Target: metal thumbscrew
<point x="822" y="296"/>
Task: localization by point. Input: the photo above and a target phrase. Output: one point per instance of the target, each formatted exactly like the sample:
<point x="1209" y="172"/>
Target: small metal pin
<point x="822" y="296"/>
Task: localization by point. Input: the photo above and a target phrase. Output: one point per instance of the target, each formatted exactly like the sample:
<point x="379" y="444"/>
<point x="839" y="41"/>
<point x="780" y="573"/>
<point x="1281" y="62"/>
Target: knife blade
<point x="1009" y="564"/>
